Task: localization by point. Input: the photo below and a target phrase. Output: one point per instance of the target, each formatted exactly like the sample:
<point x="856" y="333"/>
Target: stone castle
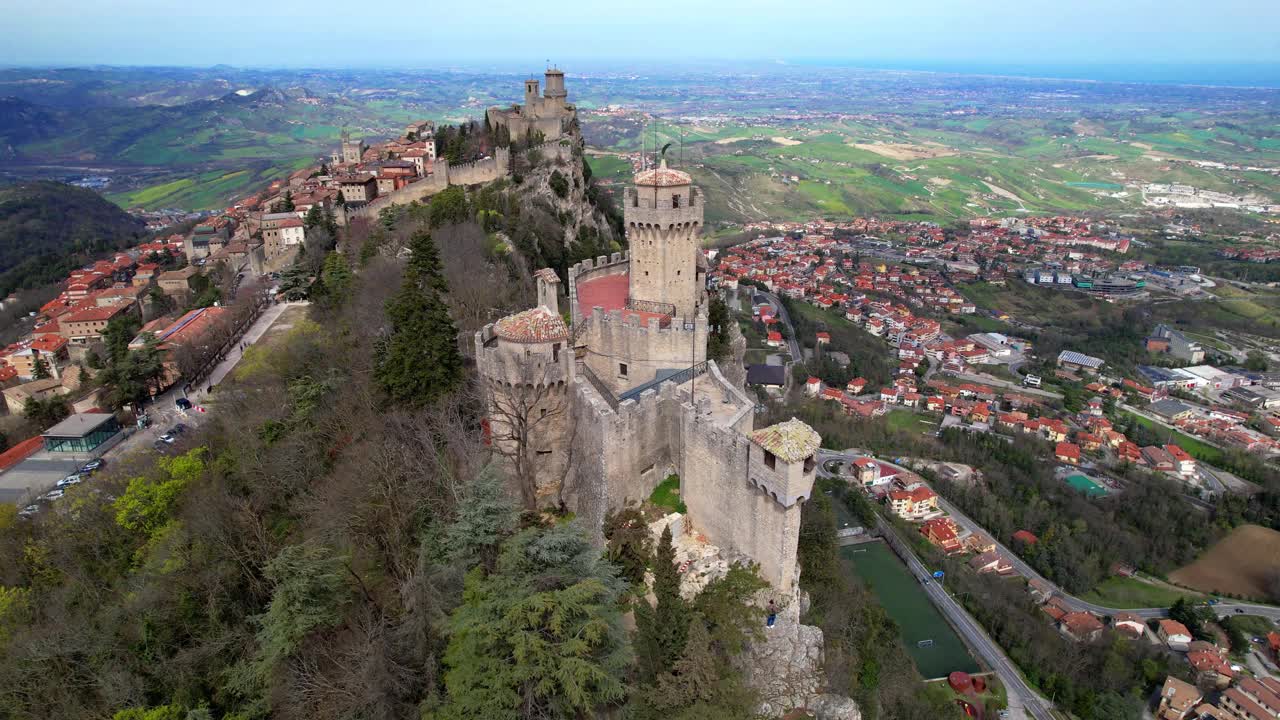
<point x="600" y="410"/>
<point x="549" y="114"/>
<point x="592" y="413"/>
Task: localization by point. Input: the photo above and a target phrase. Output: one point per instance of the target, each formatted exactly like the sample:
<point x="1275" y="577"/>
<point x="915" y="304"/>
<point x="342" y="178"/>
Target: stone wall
<point x="620" y="456"/>
<point x="615" y="264"/>
<point x="480" y="171"/>
<point x="615" y="339"/>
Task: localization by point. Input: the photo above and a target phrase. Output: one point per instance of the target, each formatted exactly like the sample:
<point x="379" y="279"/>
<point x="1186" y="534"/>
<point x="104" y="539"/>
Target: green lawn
<point x="1197" y="449"/>
<point x="1253" y="624"/>
<point x="909" y="421"/>
<point x="1121" y="592"/>
<point x="918" y="620"/>
<point x="667" y="495"/>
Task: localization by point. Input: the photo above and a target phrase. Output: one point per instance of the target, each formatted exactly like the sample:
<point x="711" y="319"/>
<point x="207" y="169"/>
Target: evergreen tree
<point x="661" y="630"/>
<point x="541" y="636"/>
<point x="701" y="685"/>
<point x="424" y="260"/>
<point x="341" y="200"/>
<point x="336" y="277"/>
<point x="419" y="361"/>
<point x="628" y="542"/>
<point x="40" y="369"/>
<point x="314" y="218"/>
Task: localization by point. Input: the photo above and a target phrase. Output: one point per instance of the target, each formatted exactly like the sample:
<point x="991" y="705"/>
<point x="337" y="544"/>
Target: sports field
<point x="918" y="620"/>
<point x="1085" y="485"/>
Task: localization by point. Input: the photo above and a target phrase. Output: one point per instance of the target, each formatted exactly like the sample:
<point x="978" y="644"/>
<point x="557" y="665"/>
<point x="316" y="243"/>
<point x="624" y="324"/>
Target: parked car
<point x="70" y="480"/>
<point x="92" y="466"/>
<point x="183" y="403"/>
<point x="29" y="510"/>
<point x="178" y="429"/>
<point x="53" y="494"/>
<point x="169" y="438"/>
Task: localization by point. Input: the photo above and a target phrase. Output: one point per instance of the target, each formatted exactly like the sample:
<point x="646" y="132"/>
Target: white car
<point x="29" y="510"/>
<point x="69" y="480"/>
<point x="54" y="494"/>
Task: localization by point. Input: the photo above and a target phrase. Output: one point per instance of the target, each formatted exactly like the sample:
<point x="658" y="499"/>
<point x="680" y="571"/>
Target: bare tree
<point x="528" y="416"/>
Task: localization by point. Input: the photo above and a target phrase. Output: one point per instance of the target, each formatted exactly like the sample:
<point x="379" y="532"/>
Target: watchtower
<point x="531" y="94"/>
<point x="781" y="462"/>
<point x="528" y="370"/>
<point x="555" y="94"/>
<point x="663" y="213"/>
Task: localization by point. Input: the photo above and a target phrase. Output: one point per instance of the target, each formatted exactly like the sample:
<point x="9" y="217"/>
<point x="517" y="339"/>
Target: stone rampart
<point x="615" y="264"/>
<point x="625" y="351"/>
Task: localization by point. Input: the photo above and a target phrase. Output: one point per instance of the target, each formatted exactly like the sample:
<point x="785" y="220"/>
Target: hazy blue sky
<point x="432" y="32"/>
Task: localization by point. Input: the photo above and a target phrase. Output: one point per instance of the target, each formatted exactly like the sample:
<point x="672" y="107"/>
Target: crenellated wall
<point x="480" y="171"/>
<point x="625" y="351"/>
<point x="614" y="264"/>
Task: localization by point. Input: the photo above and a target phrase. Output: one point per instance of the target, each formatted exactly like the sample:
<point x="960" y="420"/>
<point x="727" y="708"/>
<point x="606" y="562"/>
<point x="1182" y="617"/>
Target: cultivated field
<point x="1239" y="564"/>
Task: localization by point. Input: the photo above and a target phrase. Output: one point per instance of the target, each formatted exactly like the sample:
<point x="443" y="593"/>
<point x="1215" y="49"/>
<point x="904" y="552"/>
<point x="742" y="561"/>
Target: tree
<point x="700" y="685"/>
<point x="424" y="260"/>
<point x="335" y="278"/>
<point x="46" y="413"/>
<point x="627" y="542"/>
<point x="541" y="636"/>
<point x="448" y="207"/>
<point x="1256" y="360"/>
<point x="341" y="200"/>
<point x="118" y="333"/>
<point x="485" y="516"/>
<point x="661" y="630"/>
<point x="418" y="362"/>
<point x="285" y="204"/>
<point x="522" y="406"/>
<point x="559" y="185"/>
<point x="40" y="368"/>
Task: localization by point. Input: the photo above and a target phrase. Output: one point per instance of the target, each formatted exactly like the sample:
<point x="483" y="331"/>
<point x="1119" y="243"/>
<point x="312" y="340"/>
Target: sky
<point x="434" y="33"/>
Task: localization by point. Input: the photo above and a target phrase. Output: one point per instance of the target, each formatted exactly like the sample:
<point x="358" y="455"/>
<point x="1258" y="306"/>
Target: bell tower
<point x="663" y="213"/>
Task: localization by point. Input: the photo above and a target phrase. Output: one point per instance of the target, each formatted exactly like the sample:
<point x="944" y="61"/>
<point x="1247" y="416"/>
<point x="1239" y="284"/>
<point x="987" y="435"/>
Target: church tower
<point x="663" y="213"/>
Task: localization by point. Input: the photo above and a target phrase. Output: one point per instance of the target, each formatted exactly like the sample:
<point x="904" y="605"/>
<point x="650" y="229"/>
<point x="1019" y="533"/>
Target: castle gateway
<point x="595" y="415"/>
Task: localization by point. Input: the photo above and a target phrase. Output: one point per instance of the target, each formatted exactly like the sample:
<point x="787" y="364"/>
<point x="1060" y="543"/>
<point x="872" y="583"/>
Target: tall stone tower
<point x="531" y="93"/>
<point x="555" y="94"/>
<point x="352" y="150"/>
<point x="663" y="212"/>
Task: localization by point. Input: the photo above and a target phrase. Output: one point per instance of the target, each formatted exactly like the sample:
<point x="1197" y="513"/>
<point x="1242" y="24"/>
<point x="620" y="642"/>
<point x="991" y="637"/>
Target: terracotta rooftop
<point x="663" y="176"/>
<point x="532" y="326"/>
<point x="791" y="440"/>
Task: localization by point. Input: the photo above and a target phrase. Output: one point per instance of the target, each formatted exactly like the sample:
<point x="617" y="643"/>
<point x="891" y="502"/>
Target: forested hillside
<point x="48" y="228"/>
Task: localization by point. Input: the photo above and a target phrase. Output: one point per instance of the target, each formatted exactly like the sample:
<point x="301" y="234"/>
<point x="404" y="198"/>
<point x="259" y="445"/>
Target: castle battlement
<point x="630" y="319"/>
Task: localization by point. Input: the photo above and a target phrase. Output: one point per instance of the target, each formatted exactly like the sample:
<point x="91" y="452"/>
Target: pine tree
<point x="419" y="361"/>
<point x="315" y="217"/>
<point x="336" y="277"/>
<point x="424" y="259"/>
<point x="40" y="369"/>
<point x="662" y="629"/>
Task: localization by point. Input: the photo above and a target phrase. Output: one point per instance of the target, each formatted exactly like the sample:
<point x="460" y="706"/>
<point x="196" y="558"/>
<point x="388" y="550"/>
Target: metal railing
<point x="600" y="387"/>
<point x="651" y="306"/>
<point x="678" y="378"/>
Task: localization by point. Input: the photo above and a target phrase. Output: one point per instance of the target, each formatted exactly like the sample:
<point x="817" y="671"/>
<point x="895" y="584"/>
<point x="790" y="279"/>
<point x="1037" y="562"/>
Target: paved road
<point x="1023" y="700"/>
<point x="997" y="382"/>
<point x="792" y="343"/>
<point x="1223" y="608"/>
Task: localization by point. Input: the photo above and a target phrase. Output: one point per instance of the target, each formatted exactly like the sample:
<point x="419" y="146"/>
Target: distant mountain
<point x="22" y="121"/>
<point x="48" y="228"/>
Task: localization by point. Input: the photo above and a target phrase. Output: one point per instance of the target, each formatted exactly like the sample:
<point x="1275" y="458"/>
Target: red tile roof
<point x="535" y="325"/>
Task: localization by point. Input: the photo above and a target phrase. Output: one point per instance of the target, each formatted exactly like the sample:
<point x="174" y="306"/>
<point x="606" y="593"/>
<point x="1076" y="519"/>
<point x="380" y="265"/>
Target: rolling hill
<point x="48" y="228"/>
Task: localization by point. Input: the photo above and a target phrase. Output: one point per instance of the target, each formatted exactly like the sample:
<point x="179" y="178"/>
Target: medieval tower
<point x="663" y="215"/>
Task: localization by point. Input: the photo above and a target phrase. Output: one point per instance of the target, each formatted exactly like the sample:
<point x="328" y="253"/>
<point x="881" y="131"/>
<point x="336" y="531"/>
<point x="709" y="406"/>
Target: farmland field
<point x="1121" y="592"/>
<point x="918" y="620"/>
<point x="1239" y="564"/>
